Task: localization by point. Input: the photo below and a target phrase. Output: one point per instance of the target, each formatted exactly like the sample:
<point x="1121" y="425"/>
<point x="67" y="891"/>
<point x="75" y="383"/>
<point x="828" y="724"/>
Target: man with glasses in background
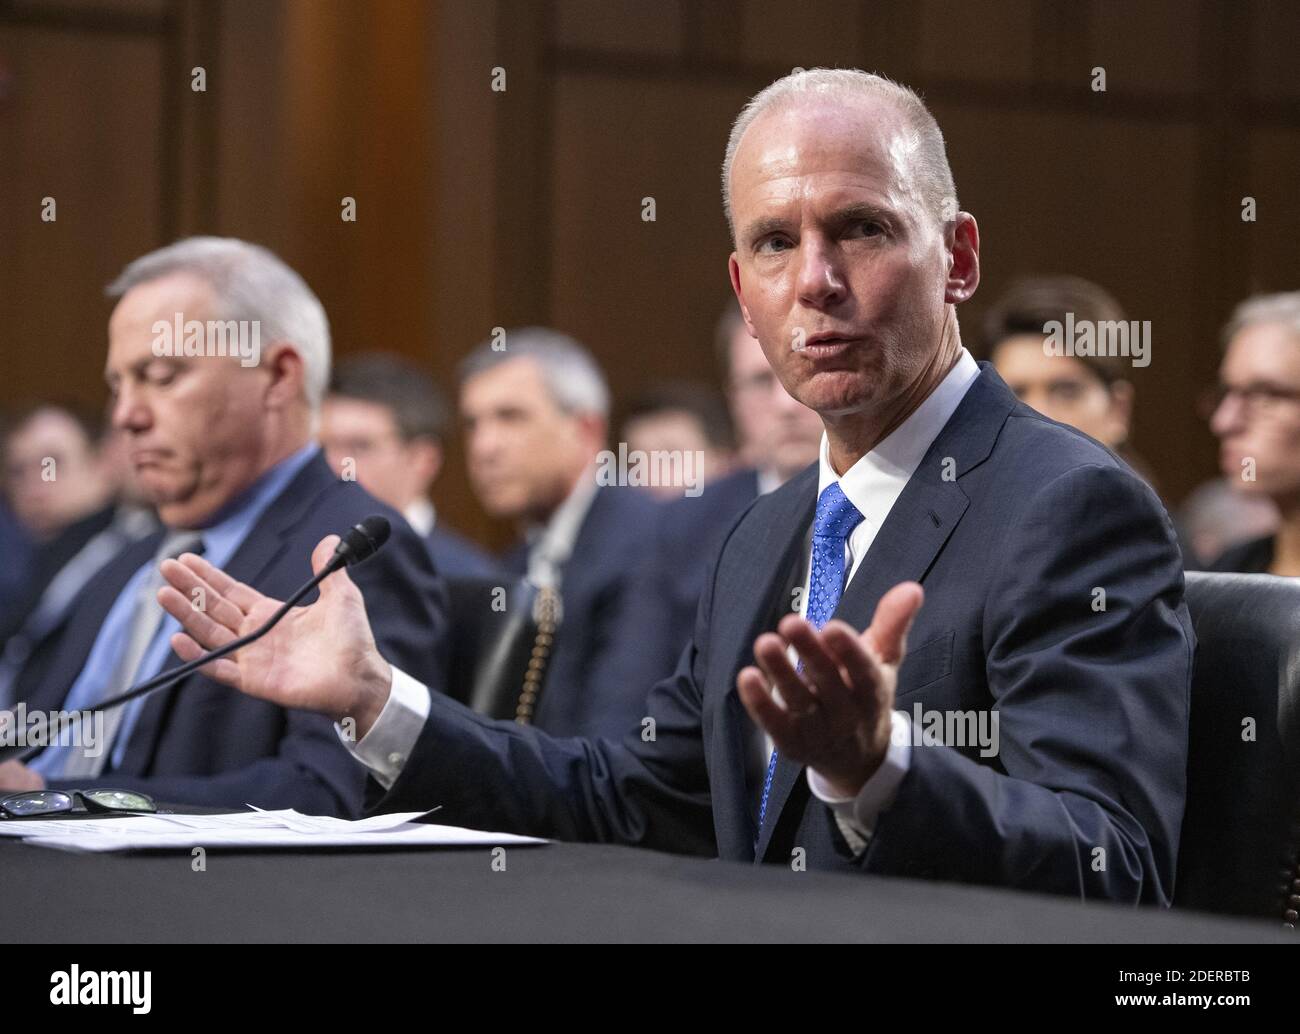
<point x="1256" y="417"/>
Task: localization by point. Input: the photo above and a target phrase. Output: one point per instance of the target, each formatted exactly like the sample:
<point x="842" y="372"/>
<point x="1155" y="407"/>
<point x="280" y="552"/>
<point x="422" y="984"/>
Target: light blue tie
<point x="834" y="523"/>
<point x="70" y="762"/>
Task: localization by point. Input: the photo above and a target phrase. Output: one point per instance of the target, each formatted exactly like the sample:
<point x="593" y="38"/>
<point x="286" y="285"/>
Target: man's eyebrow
<point x="764" y="225"/>
<point x="860" y="210"/>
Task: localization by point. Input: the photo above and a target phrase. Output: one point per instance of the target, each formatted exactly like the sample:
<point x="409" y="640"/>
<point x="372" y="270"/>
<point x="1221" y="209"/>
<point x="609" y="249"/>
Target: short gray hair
<point x="1283" y="308"/>
<point x="571" y="374"/>
<point x="249" y="282"/>
<point x="935" y="186"/>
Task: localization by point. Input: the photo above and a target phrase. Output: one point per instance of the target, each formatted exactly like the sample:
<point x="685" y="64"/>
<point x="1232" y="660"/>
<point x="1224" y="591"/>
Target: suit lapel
<point x="782" y="536"/>
<point x="82" y="626"/>
<point x="576" y="580"/>
<point x="914" y="533"/>
<point x="259" y="550"/>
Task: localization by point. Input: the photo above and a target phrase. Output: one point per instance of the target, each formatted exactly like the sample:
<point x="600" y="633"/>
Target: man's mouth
<point x="827" y="346"/>
<point x="141" y="458"/>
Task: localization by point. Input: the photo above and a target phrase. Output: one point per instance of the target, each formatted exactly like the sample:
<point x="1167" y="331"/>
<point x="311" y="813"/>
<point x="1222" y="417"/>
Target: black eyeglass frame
<point x="76" y="802"/>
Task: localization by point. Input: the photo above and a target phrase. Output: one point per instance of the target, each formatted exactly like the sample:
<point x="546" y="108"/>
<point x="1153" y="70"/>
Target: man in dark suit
<point x="1256" y="417"/>
<point x="61" y="482"/>
<point x="225" y="450"/>
<point x="777" y="437"/>
<point x="384" y="425"/>
<point x="1026" y="727"/>
<point x="19" y="553"/>
<point x="68" y="478"/>
<point x="535" y="414"/>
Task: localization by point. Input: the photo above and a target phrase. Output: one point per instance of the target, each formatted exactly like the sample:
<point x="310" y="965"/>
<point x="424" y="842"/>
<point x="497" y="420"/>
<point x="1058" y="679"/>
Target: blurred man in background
<point x="535" y="415"/>
<point x="1214" y="518"/>
<point x="1088" y="392"/>
<point x="682" y="418"/>
<point x="777" y="437"/>
<point x="72" y="487"/>
<point x="224" y="448"/>
<point x="56" y="472"/>
<point x="17" y="550"/>
<point x="384" y="424"/>
<point x="1256" y="418"/>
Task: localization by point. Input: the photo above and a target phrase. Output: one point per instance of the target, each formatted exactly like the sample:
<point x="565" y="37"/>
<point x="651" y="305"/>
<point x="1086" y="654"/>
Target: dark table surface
<point x="555" y="892"/>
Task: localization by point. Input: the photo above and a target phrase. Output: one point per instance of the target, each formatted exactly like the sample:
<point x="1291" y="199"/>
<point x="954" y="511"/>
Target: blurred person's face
<point x="836" y="253"/>
<point x="116" y="452"/>
<point x="675" y="431"/>
<point x="524" y="453"/>
<point x="1063" y="388"/>
<point x="1258" y="419"/>
<point x="54" y="475"/>
<point x="200" y="429"/>
<point x="362" y="442"/>
<point x="776" y="433"/>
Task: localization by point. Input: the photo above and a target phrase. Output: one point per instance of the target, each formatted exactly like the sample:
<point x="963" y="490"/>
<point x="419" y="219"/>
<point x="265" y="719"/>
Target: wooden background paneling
<point x="479" y="209"/>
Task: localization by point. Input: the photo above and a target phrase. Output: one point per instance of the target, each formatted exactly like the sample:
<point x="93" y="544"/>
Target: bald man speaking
<point x="1014" y="710"/>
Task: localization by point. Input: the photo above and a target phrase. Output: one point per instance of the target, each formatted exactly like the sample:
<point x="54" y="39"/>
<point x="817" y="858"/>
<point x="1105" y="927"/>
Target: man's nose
<point x="129" y="411"/>
<point x="821" y="282"/>
<point x="480" y="444"/>
<point x="1228" y="416"/>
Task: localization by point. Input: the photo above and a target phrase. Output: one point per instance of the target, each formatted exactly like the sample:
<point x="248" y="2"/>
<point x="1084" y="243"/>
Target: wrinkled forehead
<point x="862" y="141"/>
<point x="1265" y="348"/>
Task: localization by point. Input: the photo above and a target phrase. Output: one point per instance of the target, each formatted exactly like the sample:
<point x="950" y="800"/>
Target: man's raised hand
<point x="835" y="715"/>
<point x="321" y="657"/>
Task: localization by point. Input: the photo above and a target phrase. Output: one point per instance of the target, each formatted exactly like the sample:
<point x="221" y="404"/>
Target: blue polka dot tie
<point x="834" y="523"/>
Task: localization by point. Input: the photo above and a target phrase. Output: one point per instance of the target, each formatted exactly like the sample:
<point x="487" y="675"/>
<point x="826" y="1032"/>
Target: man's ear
<point x="425" y="457"/>
<point x="733" y="270"/>
<point x="287" y="374"/>
<point x="593" y="428"/>
<point x="1121" y="408"/>
<point x="963" y="246"/>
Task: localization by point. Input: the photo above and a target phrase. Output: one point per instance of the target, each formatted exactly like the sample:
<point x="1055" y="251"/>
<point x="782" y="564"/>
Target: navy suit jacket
<point x="1012" y="523"/>
<point x="201" y="742"/>
<point x="17" y="557"/>
<point x="598" y="676"/>
<point x="688" y="535"/>
<point x="455" y="556"/>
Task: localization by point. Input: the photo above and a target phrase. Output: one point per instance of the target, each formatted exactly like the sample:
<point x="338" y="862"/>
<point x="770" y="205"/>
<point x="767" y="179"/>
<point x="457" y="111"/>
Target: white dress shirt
<point x="421" y="516"/>
<point x="873" y="484"/>
<point x="551" y="544"/>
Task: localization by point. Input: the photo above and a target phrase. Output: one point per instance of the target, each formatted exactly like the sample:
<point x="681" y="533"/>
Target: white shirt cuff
<point x="856" y="816"/>
<point x="389" y="742"/>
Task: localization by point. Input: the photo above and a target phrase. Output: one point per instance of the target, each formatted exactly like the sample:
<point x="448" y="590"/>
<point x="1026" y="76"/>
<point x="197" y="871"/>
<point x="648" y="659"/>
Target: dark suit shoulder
<point x="455" y="556"/>
<point x="711" y="512"/>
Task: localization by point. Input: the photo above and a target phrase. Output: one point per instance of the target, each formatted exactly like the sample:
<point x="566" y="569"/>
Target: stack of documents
<point x="248" y="831"/>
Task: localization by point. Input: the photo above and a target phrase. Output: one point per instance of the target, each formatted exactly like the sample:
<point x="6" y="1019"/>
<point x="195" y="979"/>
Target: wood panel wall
<point x="478" y="209"/>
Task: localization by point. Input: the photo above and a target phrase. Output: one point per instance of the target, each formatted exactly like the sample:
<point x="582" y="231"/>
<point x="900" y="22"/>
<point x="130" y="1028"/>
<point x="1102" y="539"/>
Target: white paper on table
<point x="250" y="830"/>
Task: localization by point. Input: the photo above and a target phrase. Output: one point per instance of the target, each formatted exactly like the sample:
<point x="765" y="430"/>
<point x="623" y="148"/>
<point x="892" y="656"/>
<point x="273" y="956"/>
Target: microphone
<point x="361" y="542"/>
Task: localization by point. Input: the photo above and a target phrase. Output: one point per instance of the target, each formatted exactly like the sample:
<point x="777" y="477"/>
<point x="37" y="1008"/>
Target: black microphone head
<point x="364" y="540"/>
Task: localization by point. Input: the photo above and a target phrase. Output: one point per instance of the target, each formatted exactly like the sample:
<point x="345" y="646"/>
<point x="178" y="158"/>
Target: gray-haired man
<point x="535" y="409"/>
<point x="218" y="356"/>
